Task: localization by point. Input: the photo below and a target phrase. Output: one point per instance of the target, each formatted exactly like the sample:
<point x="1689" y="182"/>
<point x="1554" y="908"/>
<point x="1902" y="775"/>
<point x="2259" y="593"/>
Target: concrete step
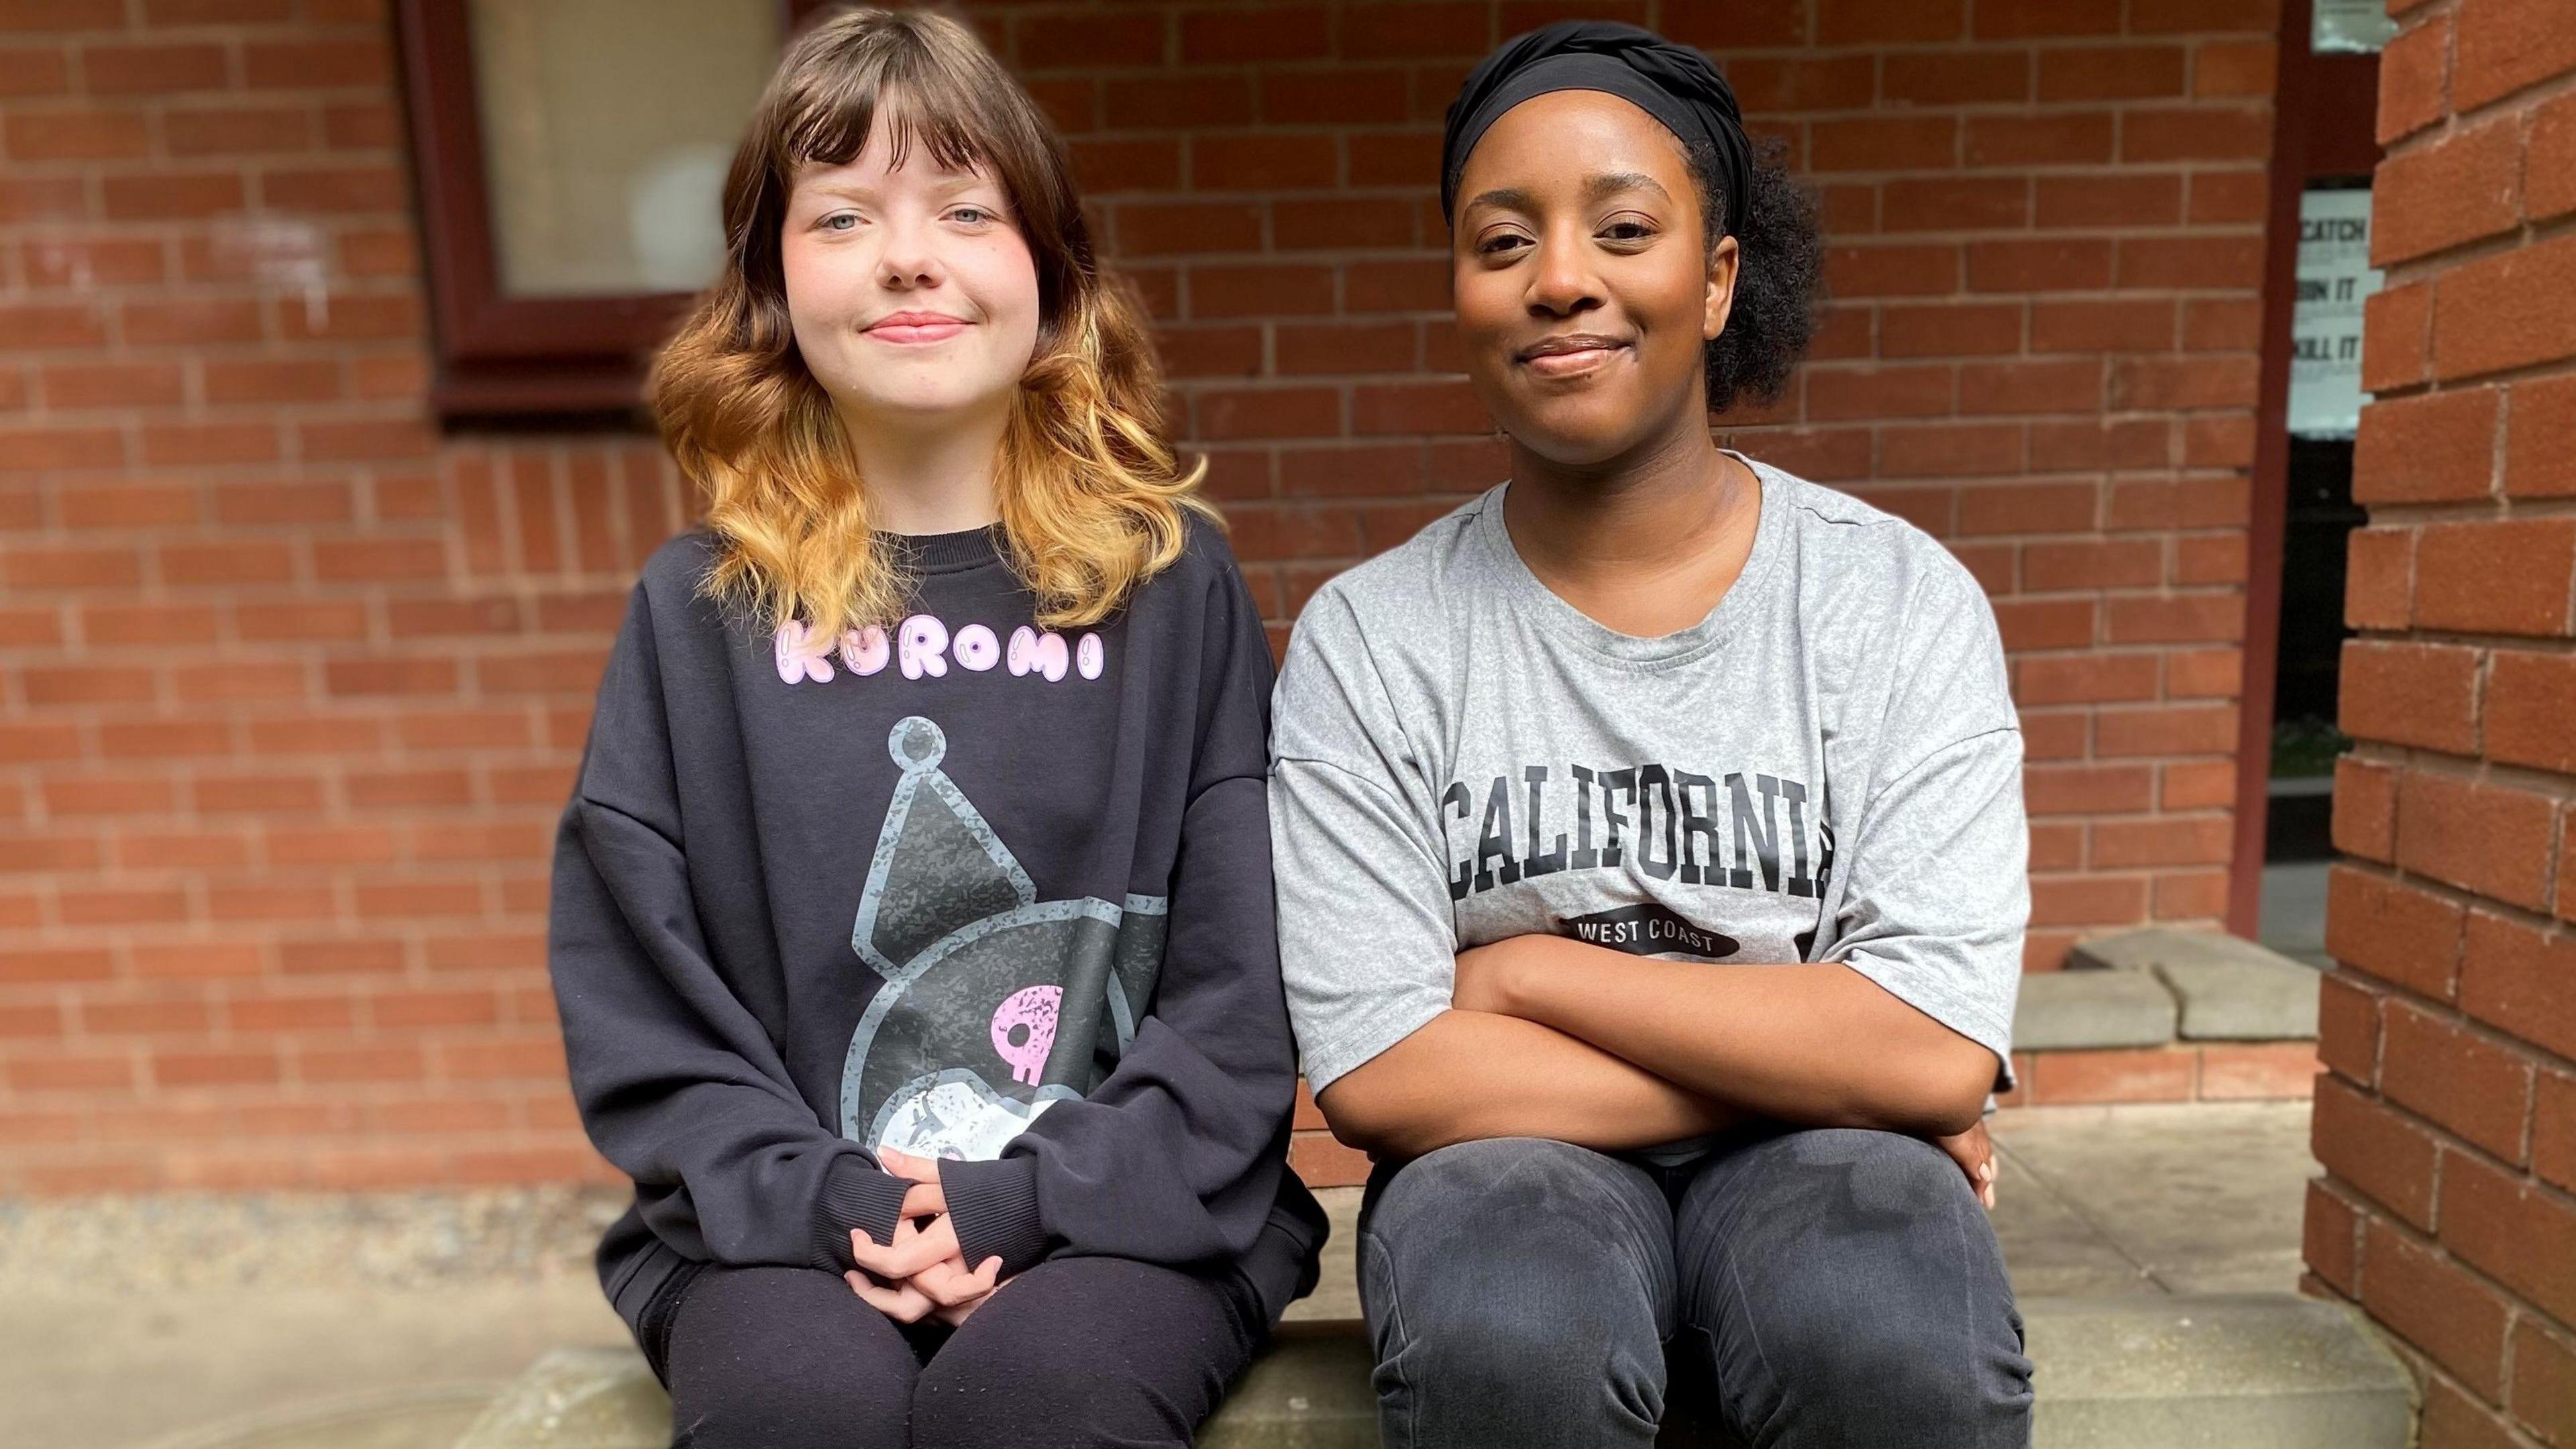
<point x="2260" y="1371"/>
<point x="2151" y="987"/>
<point x="2216" y="1372"/>
<point x="2165" y="1016"/>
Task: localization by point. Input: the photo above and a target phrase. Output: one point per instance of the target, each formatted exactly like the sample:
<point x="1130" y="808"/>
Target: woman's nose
<point x="910" y="259"/>
<point x="1563" y="280"/>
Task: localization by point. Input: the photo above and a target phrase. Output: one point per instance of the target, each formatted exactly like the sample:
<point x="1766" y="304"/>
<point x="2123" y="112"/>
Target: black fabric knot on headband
<point x="1672" y="83"/>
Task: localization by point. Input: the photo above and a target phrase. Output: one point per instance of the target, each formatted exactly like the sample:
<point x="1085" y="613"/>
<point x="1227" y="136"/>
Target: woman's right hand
<point x="945" y="1288"/>
<point x="915" y="1246"/>
<point x="1974" y="1151"/>
<point x="953" y="1292"/>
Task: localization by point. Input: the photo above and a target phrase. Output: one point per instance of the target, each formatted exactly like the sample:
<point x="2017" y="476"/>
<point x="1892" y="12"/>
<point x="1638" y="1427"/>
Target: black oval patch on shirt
<point x="1648" y="929"/>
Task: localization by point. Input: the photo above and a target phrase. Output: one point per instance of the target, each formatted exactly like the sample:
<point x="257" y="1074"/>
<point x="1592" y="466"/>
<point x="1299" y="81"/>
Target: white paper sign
<point x="2335" y="276"/>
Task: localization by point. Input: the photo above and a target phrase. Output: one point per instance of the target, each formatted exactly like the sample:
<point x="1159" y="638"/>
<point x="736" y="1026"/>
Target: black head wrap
<point x="1672" y="83"/>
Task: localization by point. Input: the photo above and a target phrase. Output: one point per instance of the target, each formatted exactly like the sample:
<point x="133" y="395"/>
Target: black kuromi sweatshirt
<point x="968" y="888"/>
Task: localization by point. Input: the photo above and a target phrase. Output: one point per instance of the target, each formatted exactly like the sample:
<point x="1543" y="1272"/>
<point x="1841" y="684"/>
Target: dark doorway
<point x="2318" y="512"/>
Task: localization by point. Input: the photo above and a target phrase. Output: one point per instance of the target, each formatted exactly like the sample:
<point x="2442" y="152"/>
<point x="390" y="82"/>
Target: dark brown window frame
<point x="498" y="355"/>
<point x="2325" y="111"/>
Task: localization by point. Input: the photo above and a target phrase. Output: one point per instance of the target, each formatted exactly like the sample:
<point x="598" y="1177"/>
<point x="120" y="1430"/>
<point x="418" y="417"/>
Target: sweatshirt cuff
<point x="994" y="1208"/>
<point x="856" y="1194"/>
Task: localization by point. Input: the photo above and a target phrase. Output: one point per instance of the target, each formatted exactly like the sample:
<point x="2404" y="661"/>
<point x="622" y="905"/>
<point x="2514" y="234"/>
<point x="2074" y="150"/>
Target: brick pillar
<point x="2448" y="1125"/>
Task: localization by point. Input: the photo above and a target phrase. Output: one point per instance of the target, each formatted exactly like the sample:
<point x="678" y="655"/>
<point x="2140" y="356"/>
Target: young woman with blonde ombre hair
<point x="912" y="925"/>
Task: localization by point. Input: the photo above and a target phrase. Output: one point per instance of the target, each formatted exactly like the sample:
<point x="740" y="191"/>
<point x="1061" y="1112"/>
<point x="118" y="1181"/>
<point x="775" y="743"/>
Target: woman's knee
<point x="1081" y="1351"/>
<point x="1875" y="1291"/>
<point x="1514" y="1283"/>
<point x="1515" y="1207"/>
<point x="1525" y="1352"/>
<point x="1884" y="1172"/>
<point x="1819" y="1192"/>
<point x="1923" y="1346"/>
<point x="785" y="1358"/>
<point x="979" y="1404"/>
<point x="1501" y="1177"/>
<point x="1950" y="1380"/>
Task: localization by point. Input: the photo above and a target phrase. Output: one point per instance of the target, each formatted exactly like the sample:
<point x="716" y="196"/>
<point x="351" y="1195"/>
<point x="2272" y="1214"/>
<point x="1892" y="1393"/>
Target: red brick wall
<point x="2448" y="1127"/>
<point x="291" y="684"/>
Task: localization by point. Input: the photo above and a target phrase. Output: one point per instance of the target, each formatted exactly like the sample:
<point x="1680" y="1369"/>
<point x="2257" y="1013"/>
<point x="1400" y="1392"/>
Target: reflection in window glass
<point x="607" y="127"/>
<point x="2350" y="27"/>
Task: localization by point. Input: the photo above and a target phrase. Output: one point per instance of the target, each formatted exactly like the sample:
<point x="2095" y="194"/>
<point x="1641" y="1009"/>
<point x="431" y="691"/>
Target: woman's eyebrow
<point x="1610" y="183"/>
<point x="1595" y="189"/>
<point x="946" y="183"/>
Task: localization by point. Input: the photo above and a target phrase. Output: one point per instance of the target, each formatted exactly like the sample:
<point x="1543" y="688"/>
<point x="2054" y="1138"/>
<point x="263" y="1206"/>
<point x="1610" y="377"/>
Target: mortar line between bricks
<point x="2478" y="770"/>
<point x="2460" y="638"/>
<point x="2522" y="236"/>
<point x="2450" y="1011"/>
<point x="2380" y="1215"/>
<point x="2476" y="508"/>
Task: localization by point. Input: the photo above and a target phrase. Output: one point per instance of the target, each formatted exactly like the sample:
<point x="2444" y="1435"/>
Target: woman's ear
<point x="1722" y="274"/>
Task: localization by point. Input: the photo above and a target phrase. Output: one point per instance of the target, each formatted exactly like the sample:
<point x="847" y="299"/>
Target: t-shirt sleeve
<point x="1367" y="937"/>
<point x="1936" y="894"/>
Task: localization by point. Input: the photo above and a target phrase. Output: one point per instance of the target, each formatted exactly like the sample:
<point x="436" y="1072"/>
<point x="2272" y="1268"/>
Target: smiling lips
<point x="915" y="327"/>
<point x="1570" y="355"/>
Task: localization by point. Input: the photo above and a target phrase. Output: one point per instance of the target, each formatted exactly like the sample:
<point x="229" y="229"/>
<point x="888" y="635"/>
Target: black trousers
<point x="1073" y="1352"/>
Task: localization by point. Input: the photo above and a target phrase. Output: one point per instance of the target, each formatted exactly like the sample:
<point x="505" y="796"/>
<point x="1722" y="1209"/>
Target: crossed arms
<point x="1550" y="1037"/>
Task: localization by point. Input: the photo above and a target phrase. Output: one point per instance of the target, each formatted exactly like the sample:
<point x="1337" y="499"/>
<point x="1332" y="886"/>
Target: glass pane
<point x="607" y="127"/>
<point x="2350" y="27"/>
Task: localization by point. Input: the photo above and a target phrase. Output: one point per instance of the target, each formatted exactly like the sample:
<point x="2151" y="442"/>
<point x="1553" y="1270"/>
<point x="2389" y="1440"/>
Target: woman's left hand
<point x="899" y="1301"/>
<point x="955" y="1293"/>
<point x="925" y="1198"/>
<point x="907" y="1166"/>
<point x="1974" y="1151"/>
<point x="944" y="1290"/>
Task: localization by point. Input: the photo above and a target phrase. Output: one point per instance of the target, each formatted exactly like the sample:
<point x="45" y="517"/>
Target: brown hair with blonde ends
<point x="1093" y="499"/>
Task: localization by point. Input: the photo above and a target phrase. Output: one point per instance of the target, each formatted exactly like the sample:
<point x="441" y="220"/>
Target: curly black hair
<point x="1779" y="283"/>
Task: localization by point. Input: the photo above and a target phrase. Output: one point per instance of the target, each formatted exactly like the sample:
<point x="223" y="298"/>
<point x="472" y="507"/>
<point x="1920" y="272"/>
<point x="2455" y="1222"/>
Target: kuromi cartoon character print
<point x="996" y="1004"/>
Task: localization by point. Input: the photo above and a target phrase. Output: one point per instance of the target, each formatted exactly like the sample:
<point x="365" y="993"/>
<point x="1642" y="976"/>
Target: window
<point x="571" y="155"/>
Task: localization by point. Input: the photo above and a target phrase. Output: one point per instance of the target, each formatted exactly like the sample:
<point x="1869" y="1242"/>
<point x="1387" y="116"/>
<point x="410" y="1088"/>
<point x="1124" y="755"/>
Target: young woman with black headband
<point x="1650" y="843"/>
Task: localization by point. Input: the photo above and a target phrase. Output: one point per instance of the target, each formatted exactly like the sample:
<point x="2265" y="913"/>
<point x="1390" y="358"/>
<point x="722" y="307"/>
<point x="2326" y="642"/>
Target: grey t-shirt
<point x="1825" y="768"/>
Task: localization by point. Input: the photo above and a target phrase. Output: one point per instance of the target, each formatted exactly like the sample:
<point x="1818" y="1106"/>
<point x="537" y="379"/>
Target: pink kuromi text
<point x="923" y="646"/>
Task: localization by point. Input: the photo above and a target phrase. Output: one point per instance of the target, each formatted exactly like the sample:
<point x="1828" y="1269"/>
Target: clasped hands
<point x="922" y="1273"/>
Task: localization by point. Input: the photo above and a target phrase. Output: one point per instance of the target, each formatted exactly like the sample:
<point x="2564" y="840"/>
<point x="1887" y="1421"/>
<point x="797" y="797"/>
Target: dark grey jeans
<point x="1811" y="1289"/>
